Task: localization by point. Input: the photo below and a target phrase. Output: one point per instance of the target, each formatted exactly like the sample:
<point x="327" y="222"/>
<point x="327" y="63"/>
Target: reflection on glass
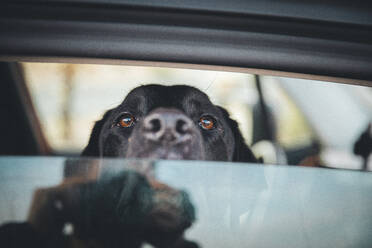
<point x="57" y="202"/>
<point x="103" y="203"/>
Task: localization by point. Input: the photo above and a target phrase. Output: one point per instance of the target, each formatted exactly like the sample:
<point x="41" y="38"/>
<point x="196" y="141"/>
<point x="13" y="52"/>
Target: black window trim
<point x="179" y="37"/>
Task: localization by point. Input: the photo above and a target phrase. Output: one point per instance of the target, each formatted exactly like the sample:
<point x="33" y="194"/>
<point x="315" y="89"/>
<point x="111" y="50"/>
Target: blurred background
<point x="285" y="121"/>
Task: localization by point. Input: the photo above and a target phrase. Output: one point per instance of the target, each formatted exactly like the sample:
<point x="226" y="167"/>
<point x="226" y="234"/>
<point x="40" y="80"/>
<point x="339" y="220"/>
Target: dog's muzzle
<point x="166" y="133"/>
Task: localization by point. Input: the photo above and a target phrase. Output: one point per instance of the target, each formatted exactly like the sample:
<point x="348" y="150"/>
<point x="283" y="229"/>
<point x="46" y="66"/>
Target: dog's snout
<point x="168" y="125"/>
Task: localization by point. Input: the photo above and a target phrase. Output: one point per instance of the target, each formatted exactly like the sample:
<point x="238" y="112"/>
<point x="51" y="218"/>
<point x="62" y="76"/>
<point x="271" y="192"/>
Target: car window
<point x="280" y="159"/>
<point x="313" y="123"/>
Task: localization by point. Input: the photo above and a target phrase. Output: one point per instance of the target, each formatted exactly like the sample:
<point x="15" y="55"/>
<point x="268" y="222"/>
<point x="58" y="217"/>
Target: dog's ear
<point x="92" y="149"/>
<point x="242" y="153"/>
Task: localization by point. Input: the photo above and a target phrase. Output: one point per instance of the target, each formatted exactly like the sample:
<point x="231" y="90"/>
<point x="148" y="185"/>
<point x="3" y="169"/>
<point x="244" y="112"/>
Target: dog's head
<point x="168" y="122"/>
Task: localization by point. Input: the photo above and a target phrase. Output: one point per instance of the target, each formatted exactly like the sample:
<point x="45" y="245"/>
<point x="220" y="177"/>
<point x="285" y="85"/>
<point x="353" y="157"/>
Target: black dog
<point x="168" y="122"/>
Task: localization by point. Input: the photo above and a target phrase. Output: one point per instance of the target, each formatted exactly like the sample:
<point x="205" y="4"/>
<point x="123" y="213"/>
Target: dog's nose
<point x="167" y="125"/>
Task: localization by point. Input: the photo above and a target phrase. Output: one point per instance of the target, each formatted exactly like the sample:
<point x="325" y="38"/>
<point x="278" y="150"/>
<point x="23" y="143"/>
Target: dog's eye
<point x="126" y="120"/>
<point x="207" y="122"/>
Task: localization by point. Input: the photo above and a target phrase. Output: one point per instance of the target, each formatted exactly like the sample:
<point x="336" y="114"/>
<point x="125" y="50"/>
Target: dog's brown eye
<point x="207" y="122"/>
<point x="126" y="120"/>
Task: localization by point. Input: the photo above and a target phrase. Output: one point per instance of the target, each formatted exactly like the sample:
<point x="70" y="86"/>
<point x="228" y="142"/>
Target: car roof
<point x="327" y="10"/>
<point x="325" y="40"/>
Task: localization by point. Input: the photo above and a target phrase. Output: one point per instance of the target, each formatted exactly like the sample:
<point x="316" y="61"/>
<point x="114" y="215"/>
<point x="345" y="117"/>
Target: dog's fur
<point x="222" y="143"/>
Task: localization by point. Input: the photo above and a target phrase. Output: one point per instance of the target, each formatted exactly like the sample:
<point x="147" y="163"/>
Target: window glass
<point x="100" y="202"/>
